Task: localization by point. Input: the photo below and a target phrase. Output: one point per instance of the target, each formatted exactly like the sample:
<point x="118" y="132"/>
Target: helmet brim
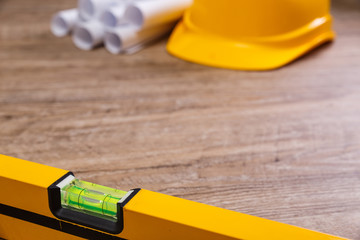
<point x="211" y="50"/>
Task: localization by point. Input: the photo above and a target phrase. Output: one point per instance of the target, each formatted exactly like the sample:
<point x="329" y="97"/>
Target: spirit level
<point x="42" y="202"/>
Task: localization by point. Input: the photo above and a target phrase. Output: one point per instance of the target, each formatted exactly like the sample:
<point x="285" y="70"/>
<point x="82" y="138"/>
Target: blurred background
<point x="282" y="144"/>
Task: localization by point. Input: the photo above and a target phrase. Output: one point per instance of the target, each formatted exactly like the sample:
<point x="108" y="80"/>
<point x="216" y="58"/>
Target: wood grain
<point x="281" y="144"/>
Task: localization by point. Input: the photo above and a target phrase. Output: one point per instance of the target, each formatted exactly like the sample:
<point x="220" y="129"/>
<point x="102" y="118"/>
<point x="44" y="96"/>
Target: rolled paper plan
<point x="114" y="15"/>
<point x="88" y="35"/>
<point x="64" y="22"/>
<point x="127" y="39"/>
<point x="144" y="14"/>
<point x="93" y="9"/>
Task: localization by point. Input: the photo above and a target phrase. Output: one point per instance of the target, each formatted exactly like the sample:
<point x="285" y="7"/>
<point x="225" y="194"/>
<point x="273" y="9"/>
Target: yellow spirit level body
<point x="32" y="206"/>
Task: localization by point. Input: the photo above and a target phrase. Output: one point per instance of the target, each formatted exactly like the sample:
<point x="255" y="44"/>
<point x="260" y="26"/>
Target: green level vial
<point x="91" y="198"/>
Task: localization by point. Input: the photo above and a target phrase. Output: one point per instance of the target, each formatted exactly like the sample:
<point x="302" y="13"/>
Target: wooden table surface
<point x="283" y="144"/>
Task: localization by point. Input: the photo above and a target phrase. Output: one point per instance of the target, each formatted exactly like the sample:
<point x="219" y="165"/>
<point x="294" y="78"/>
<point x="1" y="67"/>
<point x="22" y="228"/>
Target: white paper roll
<point x="131" y="39"/>
<point x="93" y="9"/>
<point x="88" y="35"/>
<point x="144" y="14"/>
<point x="114" y="15"/>
<point x="64" y="21"/>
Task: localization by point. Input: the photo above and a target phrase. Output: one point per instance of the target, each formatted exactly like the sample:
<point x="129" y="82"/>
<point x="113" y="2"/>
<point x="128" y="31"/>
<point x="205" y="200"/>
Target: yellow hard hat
<point x="251" y="35"/>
